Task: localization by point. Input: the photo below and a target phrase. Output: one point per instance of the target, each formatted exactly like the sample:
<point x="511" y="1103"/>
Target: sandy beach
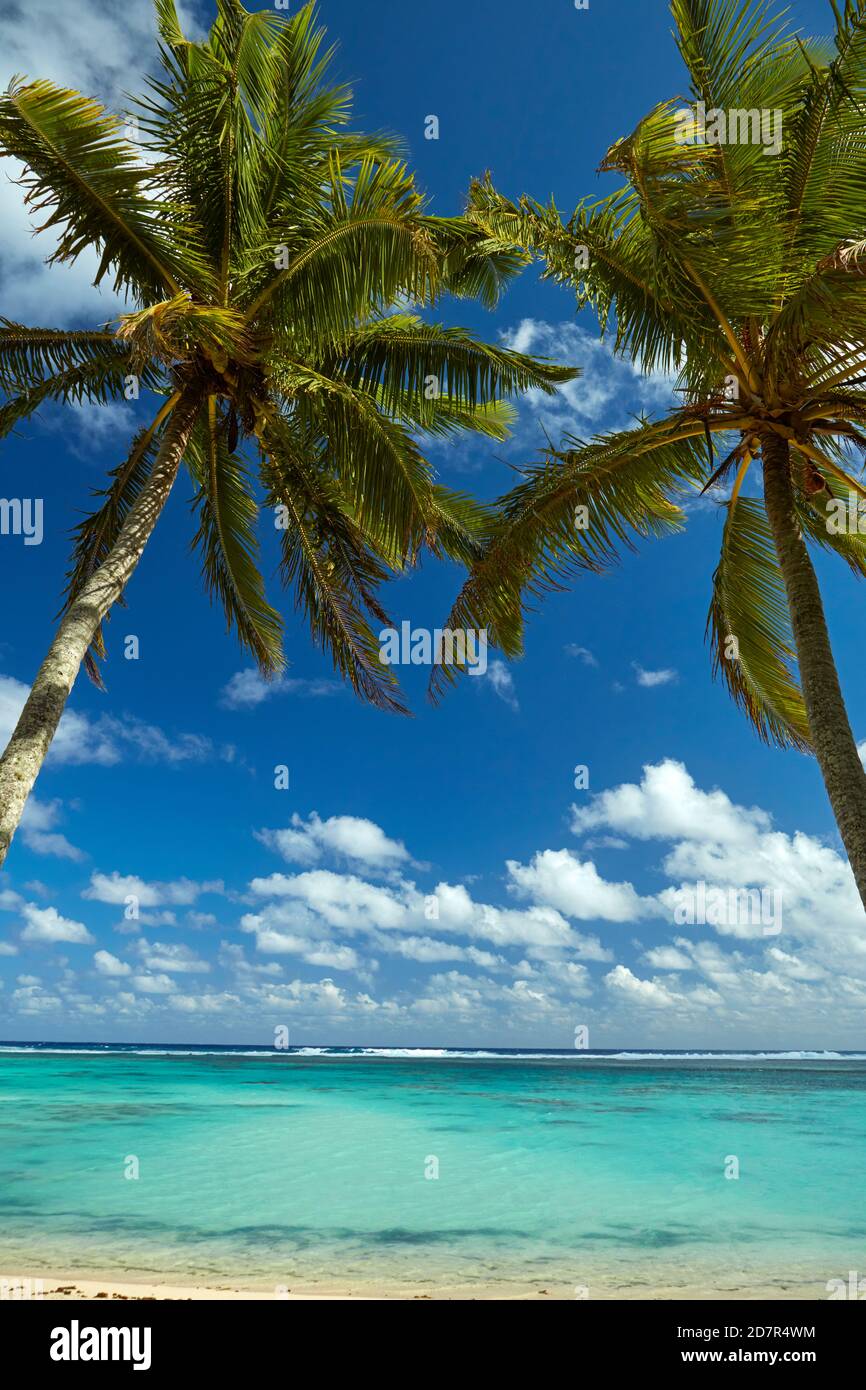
<point x="73" y="1288"/>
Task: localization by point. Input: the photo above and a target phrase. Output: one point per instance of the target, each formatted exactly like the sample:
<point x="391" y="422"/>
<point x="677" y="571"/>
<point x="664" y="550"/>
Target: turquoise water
<point x="555" y="1173"/>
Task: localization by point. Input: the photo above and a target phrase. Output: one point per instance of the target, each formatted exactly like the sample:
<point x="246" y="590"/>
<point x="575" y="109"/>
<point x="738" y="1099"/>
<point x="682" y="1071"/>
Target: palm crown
<point x="741" y="271"/>
<point x="273" y="259"/>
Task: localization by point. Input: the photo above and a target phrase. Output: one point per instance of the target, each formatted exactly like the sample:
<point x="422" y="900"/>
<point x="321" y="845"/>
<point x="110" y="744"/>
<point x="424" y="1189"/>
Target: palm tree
<point x="272" y="259"/>
<point x="740" y="267"/>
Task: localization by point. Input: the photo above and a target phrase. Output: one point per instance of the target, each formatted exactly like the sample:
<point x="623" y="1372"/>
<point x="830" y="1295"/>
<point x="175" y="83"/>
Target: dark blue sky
<point x="160" y="780"/>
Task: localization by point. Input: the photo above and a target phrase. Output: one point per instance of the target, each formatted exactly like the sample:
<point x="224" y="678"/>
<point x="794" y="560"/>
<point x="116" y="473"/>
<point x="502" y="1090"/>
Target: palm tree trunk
<point x="832" y="738"/>
<point x="22" y="761"/>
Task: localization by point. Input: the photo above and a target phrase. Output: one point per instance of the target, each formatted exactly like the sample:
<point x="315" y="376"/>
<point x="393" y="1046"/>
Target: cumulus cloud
<point x="347" y="837"/>
<point x="117" y="888"/>
<point x="814" y="948"/>
<point x="667" y="805"/>
<point x="45" y="924"/>
<point x="576" y="888"/>
<point x="557" y="933"/>
<point x="607" y="394"/>
<point x="726" y="846"/>
<point x="667" y="958"/>
<point x="316" y="903"/>
<point x="154" y="984"/>
<point x="109" y="965"/>
<point x="39" y="833"/>
<point x="172" y="959"/>
<point x="648" y="992"/>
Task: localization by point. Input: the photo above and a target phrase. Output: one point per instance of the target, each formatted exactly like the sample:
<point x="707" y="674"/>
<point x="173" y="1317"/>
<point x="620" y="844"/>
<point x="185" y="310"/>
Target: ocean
<point x="435" y="1171"/>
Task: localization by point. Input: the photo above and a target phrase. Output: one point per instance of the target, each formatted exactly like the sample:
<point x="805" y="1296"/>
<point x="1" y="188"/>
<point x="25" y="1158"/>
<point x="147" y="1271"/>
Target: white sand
<point x="71" y="1288"/>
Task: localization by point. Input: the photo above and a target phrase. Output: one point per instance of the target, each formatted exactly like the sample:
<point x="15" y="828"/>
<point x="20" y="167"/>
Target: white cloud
<point x="427" y="950"/>
<point x="153" y="984"/>
<point x="667" y="806"/>
<point x="650" y="679"/>
<point x="38" y="830"/>
<point x="109" y="965"/>
<point x="348" y="837"/>
<point x="76" y="739"/>
<point x="33" y="292"/>
<point x="502" y="681"/>
<point x="559" y="878"/>
<point x="340" y="900"/>
<point x="315" y="904"/>
<point x="199" y="920"/>
<point x="607" y="394"/>
<point x="92" y="47"/>
<point x="32" y="1000"/>
<point x="46" y="925"/>
<point x="445" y="959"/>
<point x="107" y="740"/>
<point x="115" y="888"/>
<point x="735" y="850"/>
<point x="248" y="689"/>
<point x="647" y="992"/>
<point x="170" y="959"/>
<point x="581" y="653"/>
<point x="667" y="958"/>
<point x="151" y="744"/>
<point x="216" y="1003"/>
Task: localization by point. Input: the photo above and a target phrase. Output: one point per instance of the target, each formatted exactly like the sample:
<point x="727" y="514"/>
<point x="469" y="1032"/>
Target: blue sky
<point x="311" y="906"/>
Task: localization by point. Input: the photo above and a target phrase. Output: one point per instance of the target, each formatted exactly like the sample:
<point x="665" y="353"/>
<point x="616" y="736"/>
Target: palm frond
<point x="226" y="540"/>
<point x="329" y="561"/>
<point x="749" y="627"/>
<point x="90" y="182"/>
<point x="401" y="356"/>
<point x="574" y="513"/>
<point x="96" y="380"/>
<point x="28" y="355"/>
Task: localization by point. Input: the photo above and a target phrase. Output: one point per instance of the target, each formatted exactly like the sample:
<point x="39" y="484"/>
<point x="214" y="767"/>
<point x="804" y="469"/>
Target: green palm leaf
<point x="226" y="539"/>
<point x="574" y="513"/>
<point x="749" y="606"/>
<point x="90" y="181"/>
<point x="330" y="562"/>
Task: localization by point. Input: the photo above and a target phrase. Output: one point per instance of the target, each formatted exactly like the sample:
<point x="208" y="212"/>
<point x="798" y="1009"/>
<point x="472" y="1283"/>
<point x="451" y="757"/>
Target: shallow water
<point x="564" y="1172"/>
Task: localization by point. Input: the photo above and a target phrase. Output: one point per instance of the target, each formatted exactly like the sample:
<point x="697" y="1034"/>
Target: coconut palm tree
<point x="272" y="260"/>
<point x="732" y="255"/>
